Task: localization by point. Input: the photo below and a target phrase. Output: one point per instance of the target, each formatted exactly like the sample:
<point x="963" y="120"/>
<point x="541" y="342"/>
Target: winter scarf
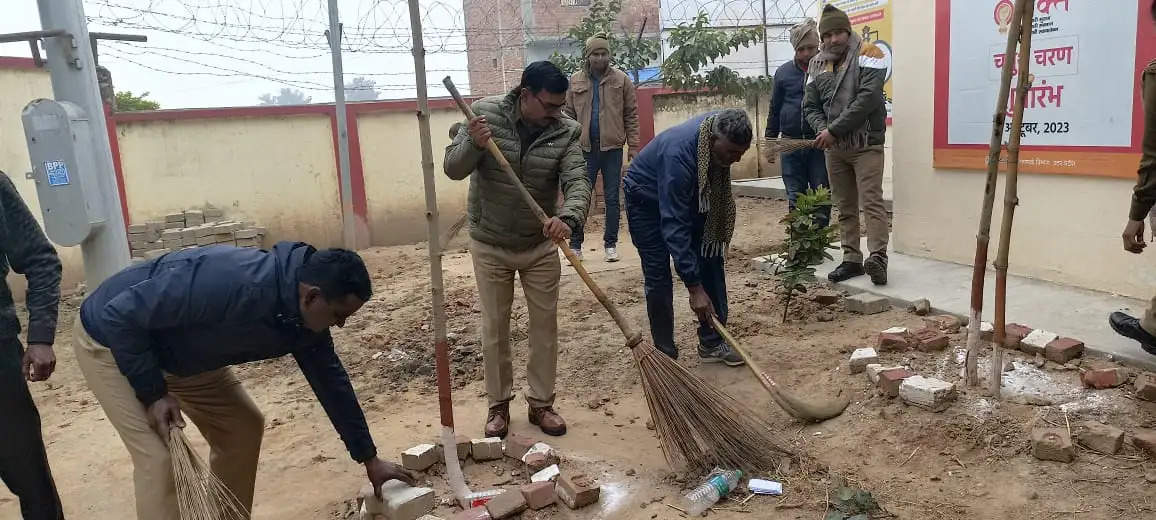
<point x="714" y="197"/>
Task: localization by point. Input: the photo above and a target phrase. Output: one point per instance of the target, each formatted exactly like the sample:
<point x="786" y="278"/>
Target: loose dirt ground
<point x="970" y="461"/>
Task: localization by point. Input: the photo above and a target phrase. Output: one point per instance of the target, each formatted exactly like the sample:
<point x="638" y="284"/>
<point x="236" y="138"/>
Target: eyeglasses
<point x="551" y="108"/>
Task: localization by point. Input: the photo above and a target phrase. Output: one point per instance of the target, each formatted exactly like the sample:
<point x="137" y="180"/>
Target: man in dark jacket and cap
<point x="844" y="104"/>
<point x="807" y="168"/>
<point x="158" y="338"/>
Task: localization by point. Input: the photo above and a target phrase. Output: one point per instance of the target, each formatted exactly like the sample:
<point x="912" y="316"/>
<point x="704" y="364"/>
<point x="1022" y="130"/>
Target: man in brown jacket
<point x="601" y="98"/>
<point x="1143" y="199"/>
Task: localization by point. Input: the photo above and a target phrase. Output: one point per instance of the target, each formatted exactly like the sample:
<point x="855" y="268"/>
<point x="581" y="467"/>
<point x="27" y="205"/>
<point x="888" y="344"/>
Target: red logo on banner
<point x="1003" y="13"/>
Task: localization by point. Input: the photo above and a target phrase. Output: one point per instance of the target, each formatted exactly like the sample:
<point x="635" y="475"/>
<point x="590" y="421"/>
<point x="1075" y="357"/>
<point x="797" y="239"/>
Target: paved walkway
<point x="1068" y="311"/>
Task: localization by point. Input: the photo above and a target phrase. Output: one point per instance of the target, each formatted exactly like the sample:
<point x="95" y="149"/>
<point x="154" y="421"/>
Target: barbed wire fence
<point x="481" y="43"/>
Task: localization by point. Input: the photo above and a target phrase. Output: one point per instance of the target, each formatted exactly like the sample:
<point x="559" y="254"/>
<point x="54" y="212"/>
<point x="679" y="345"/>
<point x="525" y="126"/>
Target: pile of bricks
<point x="191" y="228"/>
<point x="548" y="484"/>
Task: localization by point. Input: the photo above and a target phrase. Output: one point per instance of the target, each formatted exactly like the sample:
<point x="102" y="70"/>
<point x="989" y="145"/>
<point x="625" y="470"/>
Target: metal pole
<point x="437" y="288"/>
<point x="73" y="71"/>
<point x="766" y="53"/>
<point x="348" y="219"/>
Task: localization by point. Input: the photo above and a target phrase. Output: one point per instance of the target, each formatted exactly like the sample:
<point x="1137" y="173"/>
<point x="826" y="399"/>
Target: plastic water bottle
<point x="718" y="484"/>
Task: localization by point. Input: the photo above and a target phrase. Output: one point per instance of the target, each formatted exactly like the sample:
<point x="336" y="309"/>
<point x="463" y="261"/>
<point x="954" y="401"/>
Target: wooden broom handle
<point x="632" y="337"/>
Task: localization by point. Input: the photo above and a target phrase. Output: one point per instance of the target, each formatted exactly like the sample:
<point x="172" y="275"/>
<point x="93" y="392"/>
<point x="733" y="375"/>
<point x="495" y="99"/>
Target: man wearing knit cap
<point x="601" y="98"/>
<point x="807" y="168"/>
<point x="844" y="104"/>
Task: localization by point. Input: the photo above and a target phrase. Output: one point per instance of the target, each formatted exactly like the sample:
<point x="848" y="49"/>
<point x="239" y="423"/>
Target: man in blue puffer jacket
<point x="679" y="205"/>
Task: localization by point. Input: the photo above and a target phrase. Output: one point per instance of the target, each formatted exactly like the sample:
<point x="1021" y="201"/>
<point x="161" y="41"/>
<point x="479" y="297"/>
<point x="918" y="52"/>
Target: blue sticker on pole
<point x="57" y="173"/>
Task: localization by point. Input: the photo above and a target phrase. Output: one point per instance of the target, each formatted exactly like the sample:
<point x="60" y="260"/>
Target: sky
<point x="200" y="54"/>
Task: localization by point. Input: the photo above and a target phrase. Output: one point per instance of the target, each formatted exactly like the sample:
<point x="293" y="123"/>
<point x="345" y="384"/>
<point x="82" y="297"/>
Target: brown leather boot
<point x="549" y="420"/>
<point x="498" y="422"/>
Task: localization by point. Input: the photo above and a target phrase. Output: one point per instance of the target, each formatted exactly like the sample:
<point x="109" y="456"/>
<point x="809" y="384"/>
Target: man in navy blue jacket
<point x="679" y="205"/>
<point x="158" y="338"/>
<point x="807" y="168"/>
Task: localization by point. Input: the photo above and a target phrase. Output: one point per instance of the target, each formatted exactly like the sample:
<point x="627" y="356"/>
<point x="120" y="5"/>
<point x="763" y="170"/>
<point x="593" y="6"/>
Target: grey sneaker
<point x="611" y="254"/>
<point x="720" y="353"/>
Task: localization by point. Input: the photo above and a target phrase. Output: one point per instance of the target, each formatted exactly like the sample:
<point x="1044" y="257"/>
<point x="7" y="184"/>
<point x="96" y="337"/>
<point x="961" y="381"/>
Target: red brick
<point x="889" y="380"/>
<point x="539" y="494"/>
<point x="476" y="513"/>
<point x="1014" y="333"/>
<point x="1104" y="378"/>
<point x="894" y="340"/>
<point x="536" y="462"/>
<point x="1052" y="444"/>
<point x="506" y="504"/>
<point x="947" y="323"/>
<point x="1146" y="386"/>
<point x="577" y="491"/>
<point x="517" y="445"/>
<point x="1145" y="440"/>
<point x="1063" y="350"/>
<point x="929" y="340"/>
<point x="1101" y="437"/>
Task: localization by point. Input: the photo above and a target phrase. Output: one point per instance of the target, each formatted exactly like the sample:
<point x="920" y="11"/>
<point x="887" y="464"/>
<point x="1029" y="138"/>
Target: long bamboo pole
<point x="979" y="266"/>
<point x="437" y="289"/>
<point x="1010" y="198"/>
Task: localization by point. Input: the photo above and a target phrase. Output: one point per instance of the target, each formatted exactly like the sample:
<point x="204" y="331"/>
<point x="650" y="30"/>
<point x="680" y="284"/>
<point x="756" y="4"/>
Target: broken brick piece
<point x="1146" y="386"/>
<point x="517" y="445"/>
<point x="539" y="494"/>
<point x="825" y="297"/>
<point x="507" y="504"/>
<point x="1014" y="334"/>
<point x="890" y="380"/>
<point x="1145" y="440"/>
<point x="577" y="490"/>
<point x="1052" y="444"/>
<point x="403" y="502"/>
<point x="929" y="340"/>
<point x="1101" y="437"/>
<point x="867" y="303"/>
<point x="1062" y="350"/>
<point x="1037" y="341"/>
<point x="926" y="392"/>
<point x="945" y="322"/>
<point x="1102" y="378"/>
<point x="489" y="448"/>
<point x="895" y="338"/>
<point x="420" y="457"/>
<point x="862" y="357"/>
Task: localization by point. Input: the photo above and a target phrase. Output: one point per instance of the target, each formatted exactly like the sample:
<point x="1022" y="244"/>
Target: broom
<point x="773" y="147"/>
<point x="699" y="426"/>
<point x="200" y="494"/>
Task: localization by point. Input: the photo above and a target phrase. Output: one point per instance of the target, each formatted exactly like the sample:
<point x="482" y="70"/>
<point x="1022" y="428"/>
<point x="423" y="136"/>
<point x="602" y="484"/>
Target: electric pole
<point x="352" y="233"/>
<point x="72" y="67"/>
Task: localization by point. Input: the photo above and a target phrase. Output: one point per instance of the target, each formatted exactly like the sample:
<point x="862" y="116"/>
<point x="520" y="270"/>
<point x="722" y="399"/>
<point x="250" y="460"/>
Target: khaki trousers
<point x="216" y="403"/>
<point x="1148" y="321"/>
<point x="539" y="269"/>
<point x="857" y="183"/>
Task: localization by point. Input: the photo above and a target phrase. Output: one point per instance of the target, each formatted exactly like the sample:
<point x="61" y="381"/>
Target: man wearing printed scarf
<point x="679" y="205"/>
<point x="844" y="104"/>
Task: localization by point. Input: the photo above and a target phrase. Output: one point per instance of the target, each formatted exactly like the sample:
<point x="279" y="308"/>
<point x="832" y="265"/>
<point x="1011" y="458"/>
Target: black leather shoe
<point x="876" y="267"/>
<point x="846" y="271"/>
<point x="1129" y="327"/>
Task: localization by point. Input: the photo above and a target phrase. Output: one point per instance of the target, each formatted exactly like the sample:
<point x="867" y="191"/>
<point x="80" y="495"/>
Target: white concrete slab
<point x="1067" y="311"/>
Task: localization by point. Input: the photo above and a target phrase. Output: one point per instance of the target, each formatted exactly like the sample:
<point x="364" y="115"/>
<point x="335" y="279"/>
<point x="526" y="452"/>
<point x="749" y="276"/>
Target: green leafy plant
<point x="807" y="243"/>
<point x="630" y="52"/>
<point x="697" y="45"/>
<point x="126" y="101"/>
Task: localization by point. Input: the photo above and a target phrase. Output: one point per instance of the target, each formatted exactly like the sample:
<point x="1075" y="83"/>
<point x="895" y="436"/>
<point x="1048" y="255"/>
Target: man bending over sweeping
<point x="679" y="205"/>
<point x="158" y="338"/>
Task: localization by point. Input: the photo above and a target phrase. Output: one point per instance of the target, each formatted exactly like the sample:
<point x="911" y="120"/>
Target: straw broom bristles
<point x="701" y="427"/>
<point x="773" y="147"/>
<point x="200" y="494"/>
